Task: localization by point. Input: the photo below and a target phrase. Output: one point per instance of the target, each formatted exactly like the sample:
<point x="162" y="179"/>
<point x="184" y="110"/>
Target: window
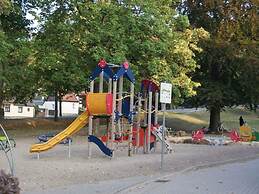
<point x="20" y="109"/>
<point x="7" y="108"/>
<point x="28" y="109"/>
<point x="51" y="112"/>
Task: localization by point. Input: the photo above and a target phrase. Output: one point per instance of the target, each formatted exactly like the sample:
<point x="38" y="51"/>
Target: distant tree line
<point x="208" y="50"/>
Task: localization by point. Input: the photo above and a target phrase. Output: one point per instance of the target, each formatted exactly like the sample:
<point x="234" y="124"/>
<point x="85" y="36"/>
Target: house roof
<point x="50" y="98"/>
<point x="18" y="104"/>
<point x="70" y="98"/>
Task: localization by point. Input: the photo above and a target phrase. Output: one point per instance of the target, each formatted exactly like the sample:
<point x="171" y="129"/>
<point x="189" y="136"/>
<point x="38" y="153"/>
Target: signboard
<point x="165" y="93"/>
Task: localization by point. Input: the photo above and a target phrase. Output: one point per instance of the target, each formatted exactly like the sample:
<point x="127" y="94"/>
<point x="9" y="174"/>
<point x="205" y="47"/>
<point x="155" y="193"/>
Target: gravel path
<point x="54" y="169"/>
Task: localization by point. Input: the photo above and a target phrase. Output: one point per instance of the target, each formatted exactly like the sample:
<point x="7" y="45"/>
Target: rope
<point x="122" y="92"/>
<point x="119" y="99"/>
<point x="143" y="111"/>
<point x="123" y="133"/>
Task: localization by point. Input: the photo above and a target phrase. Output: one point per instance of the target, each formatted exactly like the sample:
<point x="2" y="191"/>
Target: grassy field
<point x="176" y="121"/>
<point x="194" y="120"/>
<point x="34" y="126"/>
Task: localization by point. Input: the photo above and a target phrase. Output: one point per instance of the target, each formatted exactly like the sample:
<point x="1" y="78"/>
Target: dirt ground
<point x="55" y="169"/>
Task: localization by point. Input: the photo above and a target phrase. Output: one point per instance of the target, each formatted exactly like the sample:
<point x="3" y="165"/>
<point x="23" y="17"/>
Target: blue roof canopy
<point x="125" y="71"/>
<point x="102" y="67"/>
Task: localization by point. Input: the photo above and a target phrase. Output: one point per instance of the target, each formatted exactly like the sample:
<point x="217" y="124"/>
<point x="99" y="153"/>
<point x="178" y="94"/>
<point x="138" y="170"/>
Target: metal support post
<point x="163" y="136"/>
<point x="69" y="147"/>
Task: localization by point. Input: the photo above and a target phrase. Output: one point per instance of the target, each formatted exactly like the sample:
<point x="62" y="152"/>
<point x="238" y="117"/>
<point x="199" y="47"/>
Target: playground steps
<point x="158" y="133"/>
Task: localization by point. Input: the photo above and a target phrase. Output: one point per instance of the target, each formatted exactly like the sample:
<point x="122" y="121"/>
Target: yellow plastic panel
<point x="246" y="133"/>
<point x="99" y="103"/>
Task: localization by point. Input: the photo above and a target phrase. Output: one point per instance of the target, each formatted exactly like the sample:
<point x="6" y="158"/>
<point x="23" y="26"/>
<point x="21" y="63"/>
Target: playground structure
<point x="7" y="145"/>
<point x="244" y="134"/>
<point x="117" y="106"/>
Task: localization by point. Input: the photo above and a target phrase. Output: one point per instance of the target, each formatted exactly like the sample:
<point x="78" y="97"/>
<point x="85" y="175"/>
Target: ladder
<point x="158" y="134"/>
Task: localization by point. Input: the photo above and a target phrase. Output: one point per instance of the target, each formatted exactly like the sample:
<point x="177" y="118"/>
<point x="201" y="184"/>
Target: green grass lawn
<point x="195" y="120"/>
<point x="176" y="121"/>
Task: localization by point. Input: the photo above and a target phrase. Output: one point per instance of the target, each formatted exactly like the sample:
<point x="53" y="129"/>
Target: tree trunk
<point x="214" y="119"/>
<point x="1" y="101"/>
<point x="1" y="92"/>
<point x="56" y="106"/>
<point x="1" y="108"/>
<point x="60" y="104"/>
<point x="253" y="107"/>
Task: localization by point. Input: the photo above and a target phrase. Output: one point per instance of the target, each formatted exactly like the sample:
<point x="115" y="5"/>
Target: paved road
<point x="104" y="187"/>
<point x="237" y="178"/>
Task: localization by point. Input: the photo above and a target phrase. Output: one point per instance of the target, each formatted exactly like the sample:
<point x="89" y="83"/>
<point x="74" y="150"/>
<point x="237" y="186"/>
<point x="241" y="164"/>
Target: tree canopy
<point x="15" y="77"/>
<point x="209" y="45"/>
<point x="229" y="62"/>
<point x="156" y="40"/>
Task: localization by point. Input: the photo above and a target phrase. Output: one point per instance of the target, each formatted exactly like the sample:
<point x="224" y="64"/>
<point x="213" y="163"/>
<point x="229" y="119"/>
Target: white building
<point x="69" y="106"/>
<point x="14" y="111"/>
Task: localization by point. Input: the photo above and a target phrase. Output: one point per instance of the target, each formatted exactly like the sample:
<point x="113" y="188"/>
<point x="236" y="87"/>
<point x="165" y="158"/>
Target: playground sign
<point x="165" y="98"/>
<point x="165" y="93"/>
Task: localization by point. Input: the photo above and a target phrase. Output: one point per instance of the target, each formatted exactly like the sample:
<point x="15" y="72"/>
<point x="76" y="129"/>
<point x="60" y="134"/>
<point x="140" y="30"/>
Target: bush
<point x="8" y="184"/>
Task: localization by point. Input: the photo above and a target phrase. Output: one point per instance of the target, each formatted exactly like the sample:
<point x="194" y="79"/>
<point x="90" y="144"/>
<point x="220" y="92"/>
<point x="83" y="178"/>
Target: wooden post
<point x="149" y="120"/>
<point x="145" y="107"/>
<point x="113" y="113"/>
<point x="131" y="110"/>
<point x="108" y="123"/>
<point x="90" y="125"/>
<point x="145" y="121"/>
<point x="110" y="86"/>
<point x="97" y="120"/>
<point x="119" y="109"/>
<point x="138" y="122"/>
<point x="101" y="83"/>
<point x="120" y="93"/>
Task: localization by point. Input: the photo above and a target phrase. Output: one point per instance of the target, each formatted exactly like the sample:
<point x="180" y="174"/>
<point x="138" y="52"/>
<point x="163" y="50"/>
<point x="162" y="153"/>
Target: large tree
<point x="154" y="38"/>
<point x="15" y="77"/>
<point x="58" y="63"/>
<point x="230" y="57"/>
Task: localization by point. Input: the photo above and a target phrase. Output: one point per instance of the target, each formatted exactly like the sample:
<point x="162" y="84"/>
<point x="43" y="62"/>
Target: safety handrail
<point x="10" y="161"/>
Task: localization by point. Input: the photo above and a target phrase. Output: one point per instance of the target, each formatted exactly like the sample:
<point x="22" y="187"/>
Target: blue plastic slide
<point x="100" y="144"/>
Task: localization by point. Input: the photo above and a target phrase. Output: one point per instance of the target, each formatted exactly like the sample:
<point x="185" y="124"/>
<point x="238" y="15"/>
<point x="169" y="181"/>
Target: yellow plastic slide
<point x="74" y="127"/>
